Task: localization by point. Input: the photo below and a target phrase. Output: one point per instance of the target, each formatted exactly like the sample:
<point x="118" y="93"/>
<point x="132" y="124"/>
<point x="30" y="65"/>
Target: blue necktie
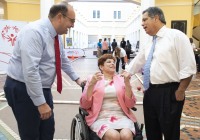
<point x="148" y="65"/>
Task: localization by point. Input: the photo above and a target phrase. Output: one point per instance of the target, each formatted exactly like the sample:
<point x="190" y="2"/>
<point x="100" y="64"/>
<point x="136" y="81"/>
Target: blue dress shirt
<point x="33" y="59"/>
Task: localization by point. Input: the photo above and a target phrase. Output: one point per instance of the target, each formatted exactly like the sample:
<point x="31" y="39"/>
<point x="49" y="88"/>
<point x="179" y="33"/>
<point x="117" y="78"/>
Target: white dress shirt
<point x="173" y="57"/>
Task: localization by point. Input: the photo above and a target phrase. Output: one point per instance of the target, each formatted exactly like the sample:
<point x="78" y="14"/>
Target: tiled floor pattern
<point x="189" y="133"/>
<point x="190" y="121"/>
<point x="192" y="106"/>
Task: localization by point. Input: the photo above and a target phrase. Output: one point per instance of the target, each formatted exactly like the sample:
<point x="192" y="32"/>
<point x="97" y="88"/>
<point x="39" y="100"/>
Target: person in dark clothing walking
<point x="123" y="44"/>
<point x="128" y="49"/>
<point x="109" y="46"/>
<point x="114" y="45"/>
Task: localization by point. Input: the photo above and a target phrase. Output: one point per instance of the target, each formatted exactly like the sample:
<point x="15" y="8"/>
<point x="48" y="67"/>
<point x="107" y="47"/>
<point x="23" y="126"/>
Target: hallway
<point x="66" y="104"/>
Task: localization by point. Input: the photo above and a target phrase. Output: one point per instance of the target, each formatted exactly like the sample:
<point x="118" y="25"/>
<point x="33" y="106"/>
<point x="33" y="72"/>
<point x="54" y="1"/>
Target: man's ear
<point x="59" y="16"/>
<point x="156" y="18"/>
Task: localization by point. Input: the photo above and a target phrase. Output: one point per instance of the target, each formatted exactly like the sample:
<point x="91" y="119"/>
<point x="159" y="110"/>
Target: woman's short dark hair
<point x="103" y="59"/>
<point x="58" y="8"/>
<point x="153" y="11"/>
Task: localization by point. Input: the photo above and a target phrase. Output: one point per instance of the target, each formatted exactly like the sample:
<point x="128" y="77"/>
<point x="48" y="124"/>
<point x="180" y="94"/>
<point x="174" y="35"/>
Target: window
<point x="96" y="13"/>
<point x="117" y="15"/>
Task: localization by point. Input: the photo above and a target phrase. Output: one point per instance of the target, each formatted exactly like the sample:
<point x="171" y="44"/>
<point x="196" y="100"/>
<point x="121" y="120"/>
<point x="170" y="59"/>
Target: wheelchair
<point x="80" y="130"/>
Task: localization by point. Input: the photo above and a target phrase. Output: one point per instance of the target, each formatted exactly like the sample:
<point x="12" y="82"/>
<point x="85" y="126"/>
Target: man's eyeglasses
<point x="71" y="19"/>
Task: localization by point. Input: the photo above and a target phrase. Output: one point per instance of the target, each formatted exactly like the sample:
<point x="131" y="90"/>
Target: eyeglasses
<point x="71" y="19"/>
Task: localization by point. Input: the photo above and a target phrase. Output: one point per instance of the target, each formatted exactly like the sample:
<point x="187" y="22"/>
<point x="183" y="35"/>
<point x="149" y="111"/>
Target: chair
<point x="80" y="130"/>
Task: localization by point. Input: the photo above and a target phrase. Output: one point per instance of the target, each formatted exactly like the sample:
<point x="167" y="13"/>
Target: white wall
<point x="106" y="25"/>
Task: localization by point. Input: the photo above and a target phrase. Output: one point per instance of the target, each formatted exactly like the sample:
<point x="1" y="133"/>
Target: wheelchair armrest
<point x="83" y="112"/>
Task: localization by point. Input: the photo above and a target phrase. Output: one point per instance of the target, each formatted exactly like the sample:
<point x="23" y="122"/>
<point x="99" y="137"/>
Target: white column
<point x="144" y="5"/>
<point x="1" y="10"/>
<point x="45" y="6"/>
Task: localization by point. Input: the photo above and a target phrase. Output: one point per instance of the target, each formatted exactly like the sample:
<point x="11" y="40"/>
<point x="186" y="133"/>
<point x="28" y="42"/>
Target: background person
<point x="99" y="48"/>
<point x="108" y="99"/>
<point x="120" y="54"/>
<point x="105" y="46"/>
<point x="32" y="70"/>
<point x="114" y="45"/>
<point x="128" y="49"/>
<point x="195" y="49"/>
<point x="123" y="44"/>
<point x="109" y="46"/>
<point x="171" y="69"/>
<point x="192" y="43"/>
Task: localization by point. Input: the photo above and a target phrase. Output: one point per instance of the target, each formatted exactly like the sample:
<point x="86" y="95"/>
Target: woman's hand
<point x="96" y="77"/>
<point x="127" y="77"/>
<point x="128" y="88"/>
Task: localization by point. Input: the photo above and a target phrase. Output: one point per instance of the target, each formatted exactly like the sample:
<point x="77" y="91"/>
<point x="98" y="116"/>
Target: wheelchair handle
<point x="83" y="85"/>
<point x="134" y="108"/>
<point x="83" y="112"/>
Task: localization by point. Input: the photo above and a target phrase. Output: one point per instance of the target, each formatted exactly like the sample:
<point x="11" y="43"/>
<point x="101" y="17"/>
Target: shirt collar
<point x="162" y="31"/>
<point x="52" y="30"/>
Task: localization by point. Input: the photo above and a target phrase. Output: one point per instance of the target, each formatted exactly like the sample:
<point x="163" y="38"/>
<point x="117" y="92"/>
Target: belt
<point x="164" y="85"/>
<point x="8" y="77"/>
<point x="13" y="79"/>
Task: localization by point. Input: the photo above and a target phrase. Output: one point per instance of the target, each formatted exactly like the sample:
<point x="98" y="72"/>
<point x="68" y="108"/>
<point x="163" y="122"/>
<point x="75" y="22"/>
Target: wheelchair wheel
<point x="79" y="129"/>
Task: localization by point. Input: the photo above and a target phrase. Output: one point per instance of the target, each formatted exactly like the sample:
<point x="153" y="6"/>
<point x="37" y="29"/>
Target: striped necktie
<point x="147" y="66"/>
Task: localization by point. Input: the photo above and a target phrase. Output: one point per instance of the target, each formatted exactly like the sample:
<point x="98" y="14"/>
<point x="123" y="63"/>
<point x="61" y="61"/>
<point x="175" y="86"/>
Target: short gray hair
<point x="153" y="11"/>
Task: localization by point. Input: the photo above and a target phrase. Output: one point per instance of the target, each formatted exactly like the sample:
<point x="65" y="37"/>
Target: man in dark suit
<point x="123" y="44"/>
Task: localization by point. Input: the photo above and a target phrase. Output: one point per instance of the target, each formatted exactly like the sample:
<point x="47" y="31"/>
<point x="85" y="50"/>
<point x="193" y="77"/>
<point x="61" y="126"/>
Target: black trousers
<point x="30" y="126"/>
<point x="105" y="52"/>
<point x="128" y="55"/>
<point x="117" y="64"/>
<point x="162" y="112"/>
<point x="198" y="61"/>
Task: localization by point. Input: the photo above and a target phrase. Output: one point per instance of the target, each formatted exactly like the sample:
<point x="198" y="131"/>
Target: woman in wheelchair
<point x="108" y="98"/>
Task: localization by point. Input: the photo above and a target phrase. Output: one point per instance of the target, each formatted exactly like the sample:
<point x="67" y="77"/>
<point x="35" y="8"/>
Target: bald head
<point x="62" y="17"/>
<point x="61" y="7"/>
